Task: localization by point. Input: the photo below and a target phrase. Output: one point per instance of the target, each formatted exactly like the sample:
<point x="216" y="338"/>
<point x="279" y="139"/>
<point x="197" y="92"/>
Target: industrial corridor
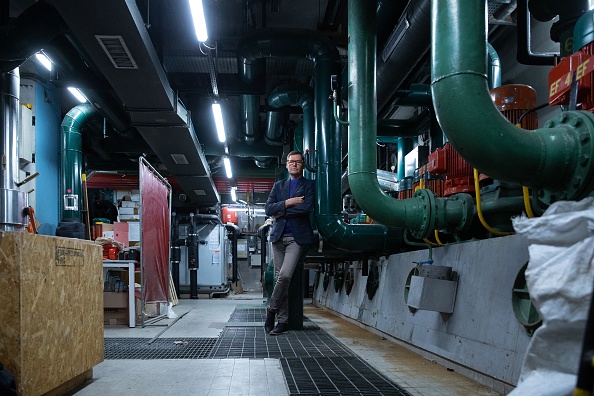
<point x="218" y="347"/>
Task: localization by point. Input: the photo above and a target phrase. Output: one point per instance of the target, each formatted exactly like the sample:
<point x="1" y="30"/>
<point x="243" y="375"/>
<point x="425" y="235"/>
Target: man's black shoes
<point x="281" y="328"/>
<point x="269" y="324"/>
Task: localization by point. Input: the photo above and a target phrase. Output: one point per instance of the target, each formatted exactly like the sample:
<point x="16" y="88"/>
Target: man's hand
<point x="294" y="201"/>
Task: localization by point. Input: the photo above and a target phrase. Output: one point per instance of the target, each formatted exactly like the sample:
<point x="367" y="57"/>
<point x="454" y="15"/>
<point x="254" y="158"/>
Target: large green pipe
<point x="72" y="164"/>
<point x="557" y="157"/>
<point x="294" y="43"/>
<point x="421" y="214"/>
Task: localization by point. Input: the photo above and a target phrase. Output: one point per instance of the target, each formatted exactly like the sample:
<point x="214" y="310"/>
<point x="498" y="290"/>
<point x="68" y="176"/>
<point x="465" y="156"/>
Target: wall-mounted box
<point x="432" y="294"/>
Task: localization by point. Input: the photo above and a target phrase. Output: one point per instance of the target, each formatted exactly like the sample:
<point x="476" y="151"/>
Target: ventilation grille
<point x="179" y="159"/>
<point x="117" y="52"/>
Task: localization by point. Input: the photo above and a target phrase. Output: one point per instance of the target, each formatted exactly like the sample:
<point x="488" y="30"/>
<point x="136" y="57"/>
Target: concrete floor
<point x="208" y="317"/>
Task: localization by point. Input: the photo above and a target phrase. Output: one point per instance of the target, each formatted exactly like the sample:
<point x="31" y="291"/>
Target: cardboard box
<point x="134" y="234"/>
<point x="121" y="237"/>
<point x="108" y="234"/>
<point x="115" y="300"/>
<point x="127" y="211"/>
<point x="106" y="227"/>
<point x="120" y="227"/>
<point x="115" y="316"/>
<point x="129" y="204"/>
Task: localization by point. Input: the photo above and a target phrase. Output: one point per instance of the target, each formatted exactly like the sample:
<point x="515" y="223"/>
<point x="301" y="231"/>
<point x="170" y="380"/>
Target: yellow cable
<point x="581" y="392"/>
<point x="428" y="242"/>
<point x="480" y="212"/>
<point x="437" y="238"/>
<point x="527" y="202"/>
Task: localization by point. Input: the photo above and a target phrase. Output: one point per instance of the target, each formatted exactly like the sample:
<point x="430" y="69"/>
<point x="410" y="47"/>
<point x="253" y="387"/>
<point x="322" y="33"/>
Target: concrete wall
<point x="482" y="336"/>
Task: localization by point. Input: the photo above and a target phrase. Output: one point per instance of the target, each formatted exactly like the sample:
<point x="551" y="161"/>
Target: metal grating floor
<point x="162" y="348"/>
<point x="314" y="363"/>
<point x="343" y="375"/>
<point x="253" y="342"/>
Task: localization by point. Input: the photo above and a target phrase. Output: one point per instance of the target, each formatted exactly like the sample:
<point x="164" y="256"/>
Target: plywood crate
<point x="51" y="305"/>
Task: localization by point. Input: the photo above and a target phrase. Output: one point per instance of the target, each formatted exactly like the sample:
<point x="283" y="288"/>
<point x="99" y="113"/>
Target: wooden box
<point x="51" y="305"/>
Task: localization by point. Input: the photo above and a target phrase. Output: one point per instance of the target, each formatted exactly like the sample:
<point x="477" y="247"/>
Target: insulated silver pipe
<point x="12" y="200"/>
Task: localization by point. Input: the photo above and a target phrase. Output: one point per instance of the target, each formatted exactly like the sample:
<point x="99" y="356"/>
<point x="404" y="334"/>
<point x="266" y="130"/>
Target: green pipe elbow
<point x="557" y="158"/>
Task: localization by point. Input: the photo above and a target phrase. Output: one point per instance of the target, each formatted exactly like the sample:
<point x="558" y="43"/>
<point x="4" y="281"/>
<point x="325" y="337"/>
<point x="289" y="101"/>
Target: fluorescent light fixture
<point x="228" y="167"/>
<point x="77" y="94"/>
<point x="218" y="116"/>
<point x="199" y="20"/>
<point x="234" y="194"/>
<point x="44" y="60"/>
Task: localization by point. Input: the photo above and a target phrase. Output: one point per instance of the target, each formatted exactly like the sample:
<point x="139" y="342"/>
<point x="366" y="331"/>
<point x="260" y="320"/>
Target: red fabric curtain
<point x="155" y="235"/>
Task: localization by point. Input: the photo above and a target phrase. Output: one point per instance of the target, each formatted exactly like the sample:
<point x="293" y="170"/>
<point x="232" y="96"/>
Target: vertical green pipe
<point x="72" y="164"/>
<point x="544" y="158"/>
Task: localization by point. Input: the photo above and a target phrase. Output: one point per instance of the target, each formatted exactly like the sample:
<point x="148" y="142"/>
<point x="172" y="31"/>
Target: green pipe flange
<point x="427" y="209"/>
<point x="467" y="213"/>
<point x="581" y="182"/>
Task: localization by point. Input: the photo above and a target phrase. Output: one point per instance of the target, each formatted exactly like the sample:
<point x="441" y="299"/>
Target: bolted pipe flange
<point x="427" y="210"/>
<point x="580" y="180"/>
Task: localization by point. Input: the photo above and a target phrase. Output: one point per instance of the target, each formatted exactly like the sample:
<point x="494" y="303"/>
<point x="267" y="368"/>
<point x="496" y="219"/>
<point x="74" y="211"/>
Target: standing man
<point x="289" y="202"/>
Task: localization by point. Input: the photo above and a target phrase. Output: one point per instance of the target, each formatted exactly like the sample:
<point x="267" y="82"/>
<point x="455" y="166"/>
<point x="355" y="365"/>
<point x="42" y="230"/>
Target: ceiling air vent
<point x="117" y="51"/>
<point x="179" y="159"/>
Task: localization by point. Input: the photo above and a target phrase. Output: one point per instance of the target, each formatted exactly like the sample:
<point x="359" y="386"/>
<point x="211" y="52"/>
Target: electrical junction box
<point x="434" y="289"/>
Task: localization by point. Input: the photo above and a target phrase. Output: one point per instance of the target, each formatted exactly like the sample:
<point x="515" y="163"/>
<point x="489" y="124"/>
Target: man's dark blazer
<point x="299" y="214"/>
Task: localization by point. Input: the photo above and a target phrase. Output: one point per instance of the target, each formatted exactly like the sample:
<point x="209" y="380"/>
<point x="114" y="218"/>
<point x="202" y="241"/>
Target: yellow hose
<point x="428" y="242"/>
<point x="437" y="238"/>
<point x="527" y="202"/>
<point x="480" y="212"/>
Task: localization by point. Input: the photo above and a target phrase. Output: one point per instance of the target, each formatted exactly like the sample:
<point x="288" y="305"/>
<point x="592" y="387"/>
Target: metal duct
<point x="269" y="43"/>
<point x="422" y="214"/>
<point x="28" y="33"/>
<point x="404" y="48"/>
<point x="557" y="157"/>
<point x="275" y="127"/>
<point x="71" y="160"/>
<point x="291" y="93"/>
<point x="12" y="200"/>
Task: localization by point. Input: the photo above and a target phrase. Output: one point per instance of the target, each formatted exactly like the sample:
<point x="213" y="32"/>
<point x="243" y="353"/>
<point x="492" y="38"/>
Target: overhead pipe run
<point x="292" y="43"/>
<point x="421" y="214"/>
<point x="557" y="158"/>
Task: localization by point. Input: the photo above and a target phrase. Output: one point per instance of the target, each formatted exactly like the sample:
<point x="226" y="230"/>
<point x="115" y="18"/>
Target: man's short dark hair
<point x="295" y="152"/>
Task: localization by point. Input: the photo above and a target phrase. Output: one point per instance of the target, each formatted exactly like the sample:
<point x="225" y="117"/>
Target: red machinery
<point x="513" y="101"/>
<point x="574" y="70"/>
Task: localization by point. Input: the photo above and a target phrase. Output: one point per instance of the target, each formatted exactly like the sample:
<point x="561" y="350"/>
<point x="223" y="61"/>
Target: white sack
<point x="559" y="278"/>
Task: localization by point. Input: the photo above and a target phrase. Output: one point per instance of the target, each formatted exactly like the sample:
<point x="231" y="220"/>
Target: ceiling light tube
<point x="199" y="21"/>
<point x="77" y="94"/>
<point x="44" y="60"/>
<point x="234" y="194"/>
<point x="218" y="116"/>
<point x="228" y="167"/>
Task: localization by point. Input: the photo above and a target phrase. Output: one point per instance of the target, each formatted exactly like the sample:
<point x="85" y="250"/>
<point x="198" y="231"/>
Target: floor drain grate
<point x="253" y="342"/>
<point x="162" y="348"/>
<point x="342" y="375"/>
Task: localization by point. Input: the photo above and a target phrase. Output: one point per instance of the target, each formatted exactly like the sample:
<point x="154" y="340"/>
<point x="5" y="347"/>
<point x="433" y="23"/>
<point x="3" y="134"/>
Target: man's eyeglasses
<point x="294" y="162"/>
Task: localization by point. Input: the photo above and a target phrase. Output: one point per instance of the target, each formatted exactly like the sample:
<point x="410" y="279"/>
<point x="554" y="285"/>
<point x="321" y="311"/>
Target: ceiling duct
<point x="115" y="39"/>
<point x="117" y="52"/>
